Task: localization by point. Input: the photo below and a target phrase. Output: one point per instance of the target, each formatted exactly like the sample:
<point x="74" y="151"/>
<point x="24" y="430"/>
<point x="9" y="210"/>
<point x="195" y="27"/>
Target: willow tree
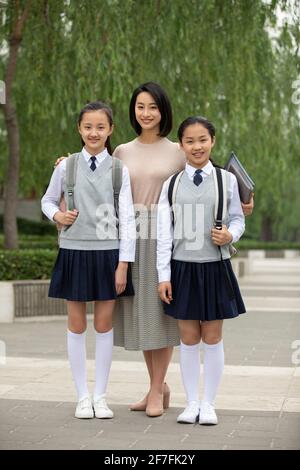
<point x="214" y="58"/>
<point x="22" y="20"/>
<point x="220" y="59"/>
<point x="63" y="58"/>
<point x="17" y="15"/>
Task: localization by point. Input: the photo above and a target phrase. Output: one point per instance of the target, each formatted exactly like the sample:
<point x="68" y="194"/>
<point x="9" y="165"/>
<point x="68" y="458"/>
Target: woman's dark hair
<point x="98" y="106"/>
<point x="197" y="120"/>
<point x="161" y="99"/>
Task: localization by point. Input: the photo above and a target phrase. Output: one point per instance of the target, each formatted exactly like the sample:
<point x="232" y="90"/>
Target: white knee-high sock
<point x="213" y="368"/>
<point x="190" y="370"/>
<point x="104" y="348"/>
<point x="77" y="359"/>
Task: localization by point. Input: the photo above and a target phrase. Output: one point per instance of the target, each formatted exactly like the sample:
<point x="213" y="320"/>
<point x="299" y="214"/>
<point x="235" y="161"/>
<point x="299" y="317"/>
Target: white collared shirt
<point x="99" y="157"/>
<point x="127" y="230"/>
<point x="236" y="220"/>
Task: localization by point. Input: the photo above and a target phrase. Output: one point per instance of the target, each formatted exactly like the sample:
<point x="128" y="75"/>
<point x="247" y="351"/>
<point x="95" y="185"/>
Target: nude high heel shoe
<point x="142" y="404"/>
<point x="155" y="410"/>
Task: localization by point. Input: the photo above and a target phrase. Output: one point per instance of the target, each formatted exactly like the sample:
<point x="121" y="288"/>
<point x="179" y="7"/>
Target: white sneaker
<point x="207" y="414"/>
<point x="190" y="414"/>
<point x="84" y="409"/>
<point x="101" y="409"/>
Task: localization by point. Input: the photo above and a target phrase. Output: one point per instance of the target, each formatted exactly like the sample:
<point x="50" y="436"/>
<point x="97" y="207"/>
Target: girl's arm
<point x="127" y="227"/>
<point x="127" y="232"/>
<point x="164" y="244"/>
<point x="236" y="218"/>
<point x="51" y="199"/>
<point x="164" y="235"/>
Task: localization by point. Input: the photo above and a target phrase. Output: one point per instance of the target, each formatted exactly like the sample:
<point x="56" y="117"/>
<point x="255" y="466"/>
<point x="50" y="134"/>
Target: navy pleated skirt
<point x="204" y="291"/>
<point x="87" y="275"/>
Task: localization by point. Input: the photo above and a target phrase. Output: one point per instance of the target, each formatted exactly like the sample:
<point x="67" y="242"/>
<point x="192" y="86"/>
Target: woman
<point x="139" y="323"/>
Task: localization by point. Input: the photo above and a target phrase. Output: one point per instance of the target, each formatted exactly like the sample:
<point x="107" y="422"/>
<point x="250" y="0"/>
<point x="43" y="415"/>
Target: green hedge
<point x="30" y="263"/>
<point x="47" y="242"/>
<point x="32" y="227"/>
<point x="34" y="242"/>
<point x="246" y="244"/>
<point x="26" y="264"/>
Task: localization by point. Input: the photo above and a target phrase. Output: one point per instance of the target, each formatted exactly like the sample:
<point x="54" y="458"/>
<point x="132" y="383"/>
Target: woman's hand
<point x="60" y="159"/>
<point x="66" y="218"/>
<point x="165" y="291"/>
<point x="248" y="208"/>
<point x="221" y="237"/>
<point x="121" y="277"/>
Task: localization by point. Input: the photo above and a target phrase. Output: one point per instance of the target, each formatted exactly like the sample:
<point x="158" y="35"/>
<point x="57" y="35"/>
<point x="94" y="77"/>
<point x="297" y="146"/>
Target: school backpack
<point x="67" y="203"/>
<point x="220" y="211"/>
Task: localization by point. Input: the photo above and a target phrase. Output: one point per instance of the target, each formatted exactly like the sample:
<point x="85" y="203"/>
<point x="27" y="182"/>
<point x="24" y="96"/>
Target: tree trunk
<point x="11" y="121"/>
<point x="266" y="234"/>
<point x="12" y="179"/>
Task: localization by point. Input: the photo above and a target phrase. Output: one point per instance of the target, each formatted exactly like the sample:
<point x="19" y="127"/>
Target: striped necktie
<point x="197" y="177"/>
<point x="93" y="164"/>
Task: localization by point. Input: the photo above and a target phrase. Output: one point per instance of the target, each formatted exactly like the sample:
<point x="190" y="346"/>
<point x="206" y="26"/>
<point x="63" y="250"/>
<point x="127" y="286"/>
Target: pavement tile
<point x="257" y="423"/>
<point x="37" y="402"/>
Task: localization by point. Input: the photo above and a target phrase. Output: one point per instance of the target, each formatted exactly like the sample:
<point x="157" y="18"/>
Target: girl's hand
<point x="66" y="218"/>
<point x="248" y="208"/>
<point x="60" y="159"/>
<point x="165" y="291"/>
<point x="221" y="237"/>
<point x="121" y="277"/>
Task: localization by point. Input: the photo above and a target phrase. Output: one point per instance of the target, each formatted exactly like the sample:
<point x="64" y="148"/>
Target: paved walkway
<point x="258" y="401"/>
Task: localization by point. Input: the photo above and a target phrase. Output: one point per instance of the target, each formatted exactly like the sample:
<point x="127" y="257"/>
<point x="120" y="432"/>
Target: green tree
<point x="216" y="58"/>
<point x="16" y="18"/>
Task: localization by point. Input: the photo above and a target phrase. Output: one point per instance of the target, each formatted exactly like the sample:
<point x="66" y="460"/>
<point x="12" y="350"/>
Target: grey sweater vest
<point x="194" y="219"/>
<point x="95" y="227"/>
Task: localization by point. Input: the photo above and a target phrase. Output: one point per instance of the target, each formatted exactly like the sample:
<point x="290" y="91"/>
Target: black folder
<point x="245" y="183"/>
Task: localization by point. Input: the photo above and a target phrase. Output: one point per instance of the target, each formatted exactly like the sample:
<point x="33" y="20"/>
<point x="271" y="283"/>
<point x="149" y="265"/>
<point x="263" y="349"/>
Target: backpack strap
<point x="172" y="190"/>
<point x="220" y="214"/>
<point x="220" y="196"/>
<point x="220" y="204"/>
<point x="71" y="171"/>
<point x="117" y="173"/>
